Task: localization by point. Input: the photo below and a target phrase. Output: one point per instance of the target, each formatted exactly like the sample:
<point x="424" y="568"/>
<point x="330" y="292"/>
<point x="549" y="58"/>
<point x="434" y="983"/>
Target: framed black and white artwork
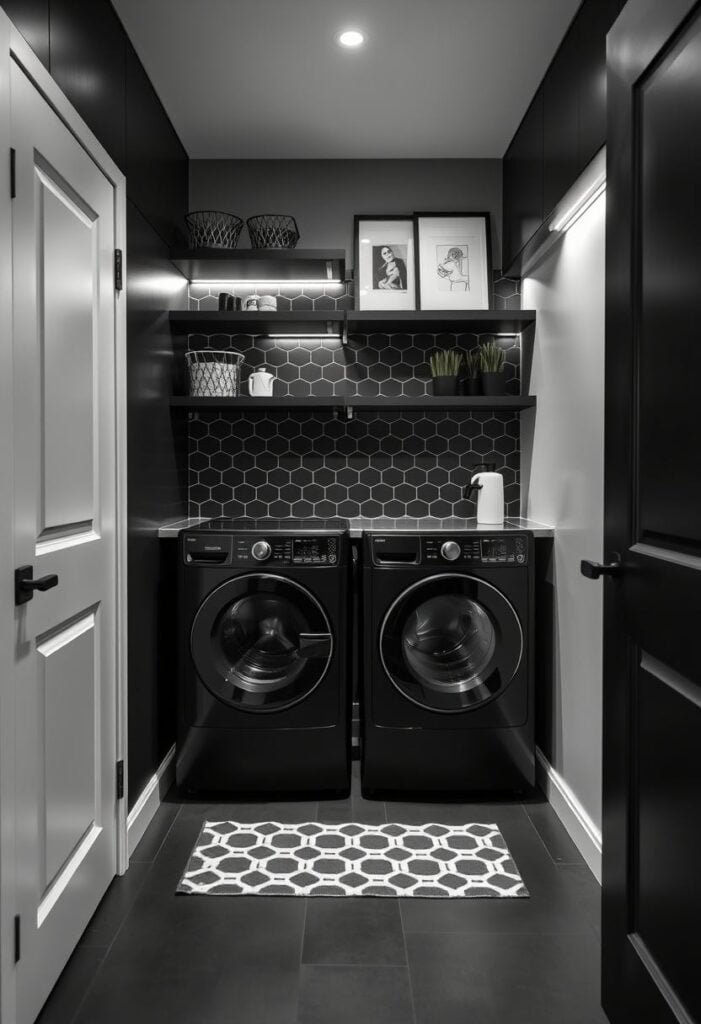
<point x="384" y="262"/>
<point x="453" y="263"/>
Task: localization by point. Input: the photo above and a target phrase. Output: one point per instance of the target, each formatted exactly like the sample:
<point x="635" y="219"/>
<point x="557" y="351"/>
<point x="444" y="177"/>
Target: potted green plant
<point x="445" y="367"/>
<point x="469" y="381"/>
<point x="492" y="361"/>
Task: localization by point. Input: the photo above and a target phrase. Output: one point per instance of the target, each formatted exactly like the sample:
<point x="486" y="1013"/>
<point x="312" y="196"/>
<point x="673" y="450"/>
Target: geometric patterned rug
<point x="273" y="859"/>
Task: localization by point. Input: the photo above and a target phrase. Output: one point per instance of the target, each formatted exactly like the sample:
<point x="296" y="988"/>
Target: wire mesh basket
<point x="212" y="229"/>
<point x="273" y="231"/>
<point x="214" y="374"/>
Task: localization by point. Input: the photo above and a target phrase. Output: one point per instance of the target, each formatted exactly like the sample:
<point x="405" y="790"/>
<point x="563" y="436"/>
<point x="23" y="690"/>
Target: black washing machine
<point x="447" y="681"/>
<point x="264" y="690"/>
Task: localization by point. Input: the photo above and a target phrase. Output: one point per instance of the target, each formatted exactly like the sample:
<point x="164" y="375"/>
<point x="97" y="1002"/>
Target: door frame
<point x="14" y="48"/>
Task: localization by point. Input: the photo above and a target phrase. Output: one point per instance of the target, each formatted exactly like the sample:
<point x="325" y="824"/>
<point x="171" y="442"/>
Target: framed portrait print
<point x="384" y="262"/>
<point x="453" y="264"/>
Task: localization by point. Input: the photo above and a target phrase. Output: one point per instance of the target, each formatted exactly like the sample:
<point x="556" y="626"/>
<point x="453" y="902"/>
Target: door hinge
<point x="120" y="780"/>
<point x="118" y="270"/>
<point x="18" y="949"/>
<point x="13" y="174"/>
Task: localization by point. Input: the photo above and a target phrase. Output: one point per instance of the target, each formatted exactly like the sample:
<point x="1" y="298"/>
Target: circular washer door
<point x="451" y="643"/>
<point x="261" y="643"/>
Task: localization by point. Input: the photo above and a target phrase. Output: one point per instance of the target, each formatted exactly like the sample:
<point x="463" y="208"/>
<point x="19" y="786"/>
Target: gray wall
<point x="563" y="477"/>
<point x="324" y="195"/>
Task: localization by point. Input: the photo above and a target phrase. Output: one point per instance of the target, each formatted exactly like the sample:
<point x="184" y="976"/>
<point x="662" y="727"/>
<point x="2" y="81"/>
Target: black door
<point x="261" y="643"/>
<point x="652" y="670"/>
<point x="451" y="643"/>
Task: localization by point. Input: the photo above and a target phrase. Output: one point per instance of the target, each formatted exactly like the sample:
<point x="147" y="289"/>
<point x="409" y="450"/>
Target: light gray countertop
<point x="358" y="526"/>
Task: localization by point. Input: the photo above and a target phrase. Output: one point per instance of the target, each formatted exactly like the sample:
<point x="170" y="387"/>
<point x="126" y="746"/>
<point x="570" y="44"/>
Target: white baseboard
<point x="141" y="814"/>
<point x="582" y="830"/>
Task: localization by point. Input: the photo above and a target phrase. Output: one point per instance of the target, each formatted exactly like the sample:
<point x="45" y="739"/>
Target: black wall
<point x="561" y="131"/>
<point x="84" y="46"/>
<point x="324" y="195"/>
<point x="157" y="470"/>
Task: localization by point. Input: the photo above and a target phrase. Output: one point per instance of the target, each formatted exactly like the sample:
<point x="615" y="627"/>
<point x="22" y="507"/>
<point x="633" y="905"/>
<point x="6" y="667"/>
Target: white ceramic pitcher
<point x="260" y="383"/>
<point x="490" y="494"/>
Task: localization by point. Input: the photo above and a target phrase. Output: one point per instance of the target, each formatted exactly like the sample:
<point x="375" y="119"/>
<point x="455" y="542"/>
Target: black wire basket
<point x="273" y="231"/>
<point x="212" y="229"/>
<point x="214" y="374"/>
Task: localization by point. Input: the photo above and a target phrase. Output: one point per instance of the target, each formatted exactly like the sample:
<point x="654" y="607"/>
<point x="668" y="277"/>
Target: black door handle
<point x="593" y="570"/>
<point x="25" y="584"/>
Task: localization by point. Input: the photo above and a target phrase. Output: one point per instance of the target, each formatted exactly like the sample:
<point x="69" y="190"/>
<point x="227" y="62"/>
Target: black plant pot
<point x="469" y="386"/>
<point x="493" y="383"/>
<point x="445" y="385"/>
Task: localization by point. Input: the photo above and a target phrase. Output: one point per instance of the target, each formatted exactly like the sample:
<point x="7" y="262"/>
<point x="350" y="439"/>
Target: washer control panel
<point x="445" y="549"/>
<point x="505" y="550"/>
<point x="269" y="549"/>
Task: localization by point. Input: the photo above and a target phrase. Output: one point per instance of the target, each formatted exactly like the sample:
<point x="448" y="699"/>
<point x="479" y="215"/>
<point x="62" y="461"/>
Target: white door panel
<point x="69" y="704"/>
<point x="65" y="651"/>
<point x="68" y="233"/>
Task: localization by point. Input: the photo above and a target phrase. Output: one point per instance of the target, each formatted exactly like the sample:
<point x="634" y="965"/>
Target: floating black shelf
<point x="479" y="321"/>
<point x="246" y="402"/>
<point x="318" y="265"/>
<point x="459" y="403"/>
<point x="293" y="323"/>
<point x="481" y="403"/>
<point x="449" y="321"/>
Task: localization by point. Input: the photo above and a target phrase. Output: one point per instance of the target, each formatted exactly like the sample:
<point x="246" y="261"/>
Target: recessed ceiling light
<point x="350" y="38"/>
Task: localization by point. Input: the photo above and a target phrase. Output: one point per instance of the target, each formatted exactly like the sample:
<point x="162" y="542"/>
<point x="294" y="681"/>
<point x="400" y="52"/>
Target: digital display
<point x="495" y="549"/>
<point x="315" y="550"/>
<point x="306" y="547"/>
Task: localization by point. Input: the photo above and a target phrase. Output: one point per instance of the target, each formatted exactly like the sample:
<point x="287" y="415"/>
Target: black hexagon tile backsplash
<point x="304" y="463"/>
<point x="282" y="463"/>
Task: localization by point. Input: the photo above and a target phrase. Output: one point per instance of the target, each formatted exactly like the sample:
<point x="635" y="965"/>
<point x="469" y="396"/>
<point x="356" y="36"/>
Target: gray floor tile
<point x="290" y="812"/>
<point x="505" y="979"/>
<point x="587" y="892"/>
<point x="183" y="959"/>
<point x="71" y="988"/>
<point x="355" y="779"/>
<point x="355" y="995"/>
<point x="254" y="992"/>
<point x="188" y="958"/>
<point x="552" y="832"/>
<point x="353" y="808"/>
<point x="353" y="930"/>
<point x="115" y="905"/>
<point x="458" y="813"/>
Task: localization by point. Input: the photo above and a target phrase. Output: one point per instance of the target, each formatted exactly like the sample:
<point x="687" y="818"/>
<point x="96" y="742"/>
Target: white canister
<point x="250" y="303"/>
<point x="260" y="383"/>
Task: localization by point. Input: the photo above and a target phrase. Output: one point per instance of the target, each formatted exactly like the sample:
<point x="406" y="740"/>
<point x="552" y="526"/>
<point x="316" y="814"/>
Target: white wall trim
<point x="8" y="906"/>
<point x="141" y="814"/>
<point x="582" y="830"/>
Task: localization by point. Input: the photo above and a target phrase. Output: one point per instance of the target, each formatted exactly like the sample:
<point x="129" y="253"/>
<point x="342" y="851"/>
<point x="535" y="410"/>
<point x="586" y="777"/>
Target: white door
<point x="64" y="479"/>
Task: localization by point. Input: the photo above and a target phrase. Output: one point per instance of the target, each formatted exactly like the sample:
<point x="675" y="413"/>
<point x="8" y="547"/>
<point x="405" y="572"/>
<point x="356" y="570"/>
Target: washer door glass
<point x="451" y="643"/>
<point x="261" y="643"/>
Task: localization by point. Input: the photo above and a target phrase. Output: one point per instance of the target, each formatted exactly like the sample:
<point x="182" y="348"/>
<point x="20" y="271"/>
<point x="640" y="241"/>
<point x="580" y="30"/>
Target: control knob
<point x="261" y="550"/>
<point x="450" y="550"/>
